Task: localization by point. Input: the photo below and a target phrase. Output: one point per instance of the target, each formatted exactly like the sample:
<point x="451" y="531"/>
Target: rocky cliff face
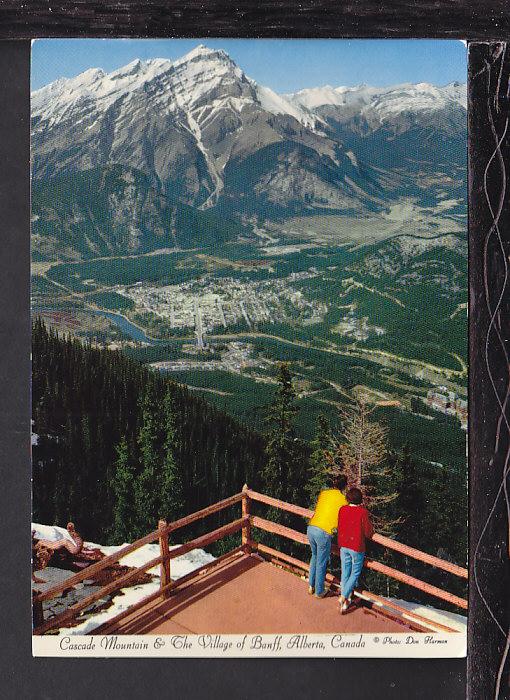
<point x="209" y="136"/>
<point x="177" y="122"/>
<point x="131" y="160"/>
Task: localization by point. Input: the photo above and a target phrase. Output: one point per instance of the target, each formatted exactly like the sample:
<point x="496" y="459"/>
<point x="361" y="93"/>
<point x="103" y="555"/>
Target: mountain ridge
<point x="113" y="210"/>
<point x="150" y="68"/>
<point x="199" y="126"/>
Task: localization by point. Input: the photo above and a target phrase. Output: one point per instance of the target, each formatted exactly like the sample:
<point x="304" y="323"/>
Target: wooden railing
<point x="164" y="559"/>
<point x="387" y="542"/>
<point x="245" y="525"/>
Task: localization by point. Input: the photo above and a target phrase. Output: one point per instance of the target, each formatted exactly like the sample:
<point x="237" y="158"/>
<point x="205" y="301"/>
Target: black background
<point x="24" y="677"/>
<point x="489" y="575"/>
<point x="486" y="19"/>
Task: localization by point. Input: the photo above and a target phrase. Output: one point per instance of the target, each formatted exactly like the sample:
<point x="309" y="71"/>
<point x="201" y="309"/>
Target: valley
<point x="203" y="224"/>
<point x="220" y="319"/>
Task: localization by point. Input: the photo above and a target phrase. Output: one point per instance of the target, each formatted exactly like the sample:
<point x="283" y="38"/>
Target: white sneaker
<point x="345" y="605"/>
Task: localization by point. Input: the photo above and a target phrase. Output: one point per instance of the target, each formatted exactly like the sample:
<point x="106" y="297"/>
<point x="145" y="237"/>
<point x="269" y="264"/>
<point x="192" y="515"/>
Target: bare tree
<point x="362" y="451"/>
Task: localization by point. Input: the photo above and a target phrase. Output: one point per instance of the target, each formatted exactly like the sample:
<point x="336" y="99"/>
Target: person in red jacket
<point x="354" y="527"/>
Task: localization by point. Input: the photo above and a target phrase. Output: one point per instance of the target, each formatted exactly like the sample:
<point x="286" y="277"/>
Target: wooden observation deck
<point x="253" y="588"/>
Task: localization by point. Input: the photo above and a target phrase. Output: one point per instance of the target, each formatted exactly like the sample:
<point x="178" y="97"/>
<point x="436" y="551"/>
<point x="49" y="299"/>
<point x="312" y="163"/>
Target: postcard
<point x="249" y="324"/>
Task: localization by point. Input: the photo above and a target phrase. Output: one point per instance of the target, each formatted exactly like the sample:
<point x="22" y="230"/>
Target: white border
<point x="401" y="645"/>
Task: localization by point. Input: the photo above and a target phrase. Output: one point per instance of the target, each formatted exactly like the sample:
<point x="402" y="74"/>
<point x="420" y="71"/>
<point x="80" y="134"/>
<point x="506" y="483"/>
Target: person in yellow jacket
<point x="320" y="532"/>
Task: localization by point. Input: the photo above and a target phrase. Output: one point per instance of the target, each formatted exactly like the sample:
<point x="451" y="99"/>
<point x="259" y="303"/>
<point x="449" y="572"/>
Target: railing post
<point x="164" y="567"/>
<point x="246" y="532"/>
<point x="37" y="611"/>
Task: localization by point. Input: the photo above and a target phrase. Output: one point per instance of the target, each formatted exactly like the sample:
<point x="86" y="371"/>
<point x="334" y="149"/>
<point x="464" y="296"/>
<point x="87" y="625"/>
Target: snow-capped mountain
<point x="408" y="97"/>
<point x="416" y="129"/>
<point x="183" y="86"/>
<point x="181" y="121"/>
<point x="207" y="135"/>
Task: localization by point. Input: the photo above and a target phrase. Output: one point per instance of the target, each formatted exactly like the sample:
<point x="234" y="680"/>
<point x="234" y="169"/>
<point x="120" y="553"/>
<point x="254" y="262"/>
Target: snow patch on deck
<point x="124" y="598"/>
<point x="450" y="619"/>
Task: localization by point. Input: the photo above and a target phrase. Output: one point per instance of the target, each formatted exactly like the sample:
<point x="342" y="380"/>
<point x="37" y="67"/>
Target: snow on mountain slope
<point x="55" y="101"/>
<point x="457" y="92"/>
<point x="386" y="101"/>
<point x="312" y="98"/>
<point x="182" y="84"/>
<point x="412" y="98"/>
<point x="210" y="136"/>
<point x="185" y="84"/>
<point x="125" y="597"/>
<point x="279" y="104"/>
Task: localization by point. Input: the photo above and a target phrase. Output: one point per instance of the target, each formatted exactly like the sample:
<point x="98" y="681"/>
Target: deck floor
<point x="248" y="595"/>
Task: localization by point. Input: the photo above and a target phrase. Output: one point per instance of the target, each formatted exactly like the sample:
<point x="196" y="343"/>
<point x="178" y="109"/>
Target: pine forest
<point x="117" y="446"/>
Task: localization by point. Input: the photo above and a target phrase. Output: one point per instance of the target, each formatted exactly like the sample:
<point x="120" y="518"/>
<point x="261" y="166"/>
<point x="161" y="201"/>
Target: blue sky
<point x="283" y="65"/>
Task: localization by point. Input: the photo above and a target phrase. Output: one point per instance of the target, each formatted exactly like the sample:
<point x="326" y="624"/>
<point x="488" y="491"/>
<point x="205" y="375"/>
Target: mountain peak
<point x="201" y="51"/>
<point x="92" y="73"/>
<point x="131" y="68"/>
<point x="201" y="48"/>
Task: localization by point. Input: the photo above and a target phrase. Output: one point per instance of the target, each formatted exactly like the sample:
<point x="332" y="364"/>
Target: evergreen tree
<point x="410" y="507"/>
<point x="321" y="459"/>
<point x="172" y="488"/>
<point x="86" y="399"/>
<point x="286" y="459"/>
<point x="388" y="518"/>
<point x="148" y="482"/>
<point x="410" y="502"/>
<point x="124" y="513"/>
<point x="445" y="508"/>
<point x="279" y="477"/>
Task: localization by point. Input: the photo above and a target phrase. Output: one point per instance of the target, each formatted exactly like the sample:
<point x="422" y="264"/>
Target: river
<point x="126" y="326"/>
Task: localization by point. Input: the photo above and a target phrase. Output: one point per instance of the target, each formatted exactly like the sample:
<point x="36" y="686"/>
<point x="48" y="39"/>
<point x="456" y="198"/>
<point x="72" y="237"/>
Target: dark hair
<point x="354" y="496"/>
<point x="338" y="481"/>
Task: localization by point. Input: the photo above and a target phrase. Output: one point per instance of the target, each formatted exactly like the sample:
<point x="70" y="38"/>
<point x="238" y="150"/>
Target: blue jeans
<point x="320" y="542"/>
<point x="352" y="564"/>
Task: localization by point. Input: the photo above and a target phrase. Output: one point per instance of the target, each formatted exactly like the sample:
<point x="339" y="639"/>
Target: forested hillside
<point x="117" y="446"/>
<point x="88" y="405"/>
<point x="116" y="210"/>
